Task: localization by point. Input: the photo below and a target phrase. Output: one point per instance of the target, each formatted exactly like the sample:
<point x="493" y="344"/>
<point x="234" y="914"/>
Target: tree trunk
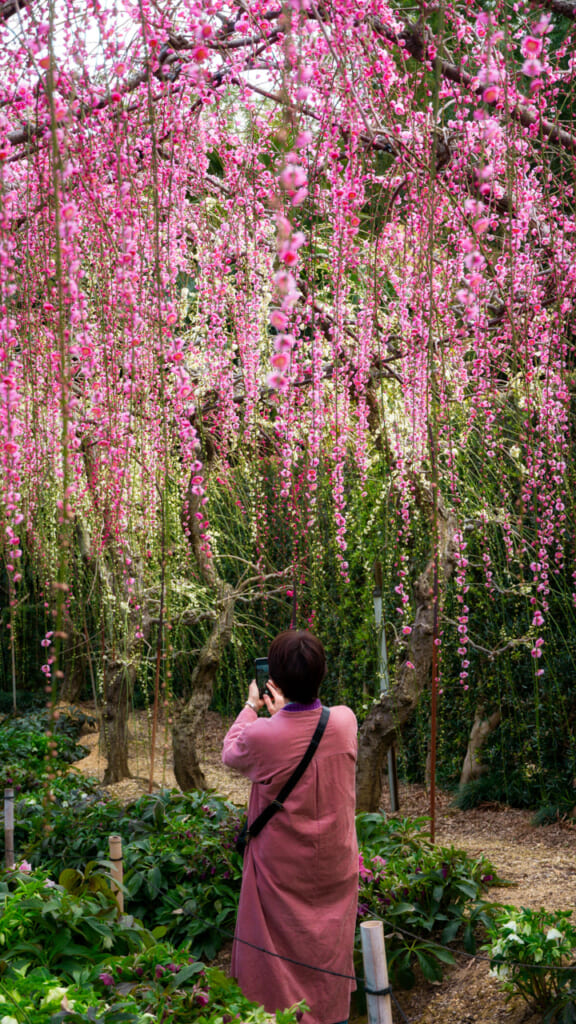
<point x="379" y="729"/>
<point x="72" y="687"/>
<point x="188" y="724"/>
<point x="119" y="690"/>
<point x="74" y="659"/>
<point x="472" y="767"/>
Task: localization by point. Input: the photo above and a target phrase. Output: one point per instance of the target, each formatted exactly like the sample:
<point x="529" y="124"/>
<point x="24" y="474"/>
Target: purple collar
<point x="295" y="706"/>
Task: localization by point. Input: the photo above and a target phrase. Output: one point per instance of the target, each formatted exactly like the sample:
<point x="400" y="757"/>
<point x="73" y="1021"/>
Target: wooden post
<point x="375" y="972"/>
<point x="117" y="871"/>
<point x="9" y="827"/>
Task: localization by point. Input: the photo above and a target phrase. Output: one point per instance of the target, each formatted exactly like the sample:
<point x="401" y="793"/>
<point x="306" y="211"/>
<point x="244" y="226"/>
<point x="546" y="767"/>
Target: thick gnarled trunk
<point x="386" y="718"/>
<point x="482" y="728"/>
<point x="188" y="724"/>
<point x="119" y="688"/>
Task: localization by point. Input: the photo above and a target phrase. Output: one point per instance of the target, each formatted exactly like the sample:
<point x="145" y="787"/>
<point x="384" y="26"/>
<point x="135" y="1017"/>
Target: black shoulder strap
<point x="269" y="812"/>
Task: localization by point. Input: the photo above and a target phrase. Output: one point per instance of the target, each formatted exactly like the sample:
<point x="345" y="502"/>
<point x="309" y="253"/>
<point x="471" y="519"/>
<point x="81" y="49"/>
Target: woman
<point x="300" y="879"/>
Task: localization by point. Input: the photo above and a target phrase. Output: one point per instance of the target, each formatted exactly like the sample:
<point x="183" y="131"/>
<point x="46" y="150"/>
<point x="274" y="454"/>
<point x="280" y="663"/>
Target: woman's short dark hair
<point x="297" y="664"/>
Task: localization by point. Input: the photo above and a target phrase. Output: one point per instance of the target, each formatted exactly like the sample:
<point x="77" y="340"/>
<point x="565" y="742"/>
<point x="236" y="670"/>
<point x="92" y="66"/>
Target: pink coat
<point x="300" y="881"/>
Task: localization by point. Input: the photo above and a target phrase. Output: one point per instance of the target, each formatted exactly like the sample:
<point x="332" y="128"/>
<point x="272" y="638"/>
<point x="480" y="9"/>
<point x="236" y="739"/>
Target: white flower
<point x="501" y="972"/>
<point x="552" y="934"/>
<point x="8" y="1020"/>
<point x="511" y="926"/>
<point x="54" y="995"/>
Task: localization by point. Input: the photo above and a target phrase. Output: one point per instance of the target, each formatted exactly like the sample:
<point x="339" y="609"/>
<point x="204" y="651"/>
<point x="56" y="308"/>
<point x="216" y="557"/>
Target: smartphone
<point x="262" y="676"/>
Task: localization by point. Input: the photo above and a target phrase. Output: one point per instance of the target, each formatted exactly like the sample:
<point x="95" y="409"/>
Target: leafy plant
<point x="532" y="954"/>
<point x="44" y="925"/>
<point x="429" y="896"/>
<point x="182" y="872"/>
<point x="28" y="748"/>
<point x="78" y="970"/>
<point x="160" y="984"/>
<point x="181" y="869"/>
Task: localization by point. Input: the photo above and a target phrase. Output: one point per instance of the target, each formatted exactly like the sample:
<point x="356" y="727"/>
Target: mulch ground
<point x="538" y="863"/>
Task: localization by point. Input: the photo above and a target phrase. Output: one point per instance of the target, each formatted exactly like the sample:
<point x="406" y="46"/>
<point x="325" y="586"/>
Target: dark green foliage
<point x="429" y="897"/>
<point x="27" y="751"/>
<point x="46" y="926"/>
<point x="70" y="957"/>
<point x="530" y="759"/>
<point x="532" y="954"/>
<point x="551" y="814"/>
<point x="181" y="870"/>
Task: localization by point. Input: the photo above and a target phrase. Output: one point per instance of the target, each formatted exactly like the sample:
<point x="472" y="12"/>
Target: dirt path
<point x="538" y="862"/>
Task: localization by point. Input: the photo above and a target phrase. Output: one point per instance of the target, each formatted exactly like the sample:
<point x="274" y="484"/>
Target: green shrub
<point x="42" y="924"/>
<point x="27" y="751"/>
<point x="70" y="957"/>
<point x="532" y="954"/>
<point x="429" y="895"/>
<point x="181" y="869"/>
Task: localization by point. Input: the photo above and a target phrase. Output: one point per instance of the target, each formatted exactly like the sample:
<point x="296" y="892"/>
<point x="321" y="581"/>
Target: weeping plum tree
<point x="328" y="224"/>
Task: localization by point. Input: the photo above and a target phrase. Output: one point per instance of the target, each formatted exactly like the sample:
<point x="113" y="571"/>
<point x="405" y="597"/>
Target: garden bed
<point x="538" y="862"/>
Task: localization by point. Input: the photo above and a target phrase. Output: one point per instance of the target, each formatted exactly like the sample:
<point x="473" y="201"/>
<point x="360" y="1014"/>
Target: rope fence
<point x="375" y="981"/>
<point x="409" y="935"/>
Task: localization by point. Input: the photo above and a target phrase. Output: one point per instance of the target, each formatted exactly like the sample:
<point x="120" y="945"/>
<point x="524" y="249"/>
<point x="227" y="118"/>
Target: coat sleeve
<point x="238" y="752"/>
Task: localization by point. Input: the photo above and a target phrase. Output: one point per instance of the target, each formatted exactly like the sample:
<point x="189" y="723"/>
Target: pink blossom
<point x="289" y="256"/>
<point x="276" y="381"/>
<point x="293" y="176"/>
<point x="278" y="319"/>
<point x="200" y="53"/>
<point x="303" y="140"/>
<point x="543" y="25"/>
<point x="365" y="873"/>
<point x="285" y="282"/>
<point x="491" y="94"/>
<point x="531" y="67"/>
<point x="531" y="46"/>
<point x="284" y="342"/>
<point x="280" y="361"/>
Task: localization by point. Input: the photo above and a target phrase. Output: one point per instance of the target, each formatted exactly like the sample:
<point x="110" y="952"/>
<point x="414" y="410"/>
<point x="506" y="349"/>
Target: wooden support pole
<point x="117" y="870"/>
<point x="9" y="827"/>
<point x="378" y="998"/>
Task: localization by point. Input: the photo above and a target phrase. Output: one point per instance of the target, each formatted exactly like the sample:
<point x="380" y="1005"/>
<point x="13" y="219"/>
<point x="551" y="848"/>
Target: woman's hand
<point x="277" y="700"/>
<point x="254" y="696"/>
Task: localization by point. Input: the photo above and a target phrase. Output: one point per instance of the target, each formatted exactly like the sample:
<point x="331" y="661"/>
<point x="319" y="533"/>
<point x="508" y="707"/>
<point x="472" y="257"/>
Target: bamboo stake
<point x="9" y="827"/>
<point x="117" y="871"/>
<point x="376" y="973"/>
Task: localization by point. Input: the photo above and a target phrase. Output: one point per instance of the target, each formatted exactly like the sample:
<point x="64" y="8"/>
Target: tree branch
<point x="10" y="7"/>
<point x="558" y="6"/>
<point x="416" y="44"/>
